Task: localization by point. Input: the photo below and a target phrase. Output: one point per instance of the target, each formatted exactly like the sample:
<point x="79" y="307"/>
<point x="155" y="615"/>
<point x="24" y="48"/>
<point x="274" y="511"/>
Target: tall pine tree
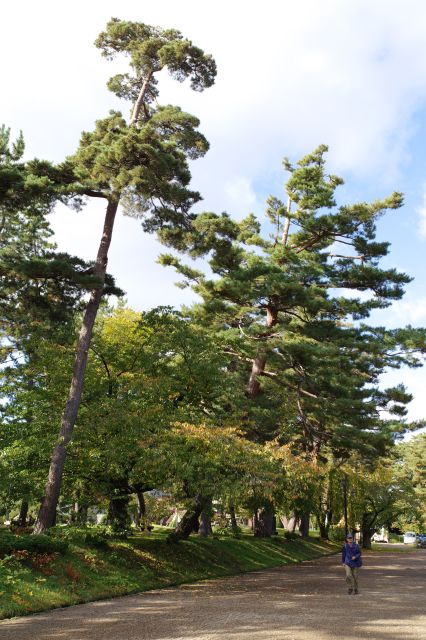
<point x="142" y="163"/>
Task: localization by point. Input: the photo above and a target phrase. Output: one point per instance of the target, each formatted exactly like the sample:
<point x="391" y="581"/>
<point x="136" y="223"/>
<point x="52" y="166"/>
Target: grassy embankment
<point x="94" y="569"/>
<point x="393" y="548"/>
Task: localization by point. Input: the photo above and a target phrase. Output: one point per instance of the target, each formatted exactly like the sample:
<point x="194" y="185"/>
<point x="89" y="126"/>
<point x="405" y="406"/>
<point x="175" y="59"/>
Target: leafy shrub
<point x="32" y="543"/>
<point x="223" y="531"/>
<point x="394" y="537"/>
<point x="96" y="536"/>
<point x="337" y="534"/>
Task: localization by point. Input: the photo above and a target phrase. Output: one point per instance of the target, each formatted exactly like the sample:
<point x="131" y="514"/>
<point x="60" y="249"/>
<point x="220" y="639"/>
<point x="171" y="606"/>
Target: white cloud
<point x="241" y="197"/>
<point x="408" y="311"/>
<point x="291" y="75"/>
<point x="132" y="256"/>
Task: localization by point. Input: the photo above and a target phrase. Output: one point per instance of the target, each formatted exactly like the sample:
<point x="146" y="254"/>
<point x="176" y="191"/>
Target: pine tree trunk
<point x="47" y="513"/>
<point x="258" y="367"/>
<point x="259" y="363"/>
<point x="23" y="513"/>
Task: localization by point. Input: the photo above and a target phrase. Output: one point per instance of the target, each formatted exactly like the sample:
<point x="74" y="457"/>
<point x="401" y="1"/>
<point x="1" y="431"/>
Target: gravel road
<point x="301" y="602"/>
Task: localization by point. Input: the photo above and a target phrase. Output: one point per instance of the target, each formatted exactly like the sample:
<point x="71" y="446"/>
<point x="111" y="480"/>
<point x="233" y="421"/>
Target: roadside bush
<point x="394" y="537"/>
<point x="233" y="532"/>
<point x="96" y="536"/>
<point x="31" y="543"/>
<point x="336" y="534"/>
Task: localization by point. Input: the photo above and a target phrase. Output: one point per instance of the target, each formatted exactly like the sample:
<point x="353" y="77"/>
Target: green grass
<point x="390" y="548"/>
<point x="84" y="573"/>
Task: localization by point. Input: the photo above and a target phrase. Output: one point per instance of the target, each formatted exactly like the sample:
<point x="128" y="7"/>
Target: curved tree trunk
<point x="190" y="521"/>
<point x="47" y="513"/>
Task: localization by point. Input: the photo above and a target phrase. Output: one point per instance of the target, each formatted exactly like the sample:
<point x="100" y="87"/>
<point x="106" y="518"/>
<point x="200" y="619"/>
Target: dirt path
<point x="301" y="602"/>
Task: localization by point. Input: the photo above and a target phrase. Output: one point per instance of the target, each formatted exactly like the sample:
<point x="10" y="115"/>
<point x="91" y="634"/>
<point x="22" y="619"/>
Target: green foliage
<point x="150" y="50"/>
<point x="276" y="302"/>
<point x="266" y="394"/>
<point x="337" y="533"/>
<point x="32" y="543"/>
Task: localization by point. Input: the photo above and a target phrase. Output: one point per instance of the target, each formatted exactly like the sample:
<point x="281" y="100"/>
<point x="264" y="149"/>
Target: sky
<point x="291" y="75"/>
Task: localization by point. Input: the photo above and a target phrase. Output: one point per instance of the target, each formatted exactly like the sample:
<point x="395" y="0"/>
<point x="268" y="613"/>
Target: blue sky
<point x="290" y="76"/>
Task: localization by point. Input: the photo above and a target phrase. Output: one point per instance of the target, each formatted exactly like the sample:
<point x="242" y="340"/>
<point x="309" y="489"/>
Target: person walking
<point x="352" y="561"/>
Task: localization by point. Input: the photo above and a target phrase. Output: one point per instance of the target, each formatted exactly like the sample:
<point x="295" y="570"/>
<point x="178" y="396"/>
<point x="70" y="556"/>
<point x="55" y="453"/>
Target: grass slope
<point x="40" y="581"/>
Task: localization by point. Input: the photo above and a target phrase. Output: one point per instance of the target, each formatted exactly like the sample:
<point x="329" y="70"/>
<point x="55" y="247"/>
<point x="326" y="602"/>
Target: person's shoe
<point x="350" y="591"/>
<point x="355" y="591"/>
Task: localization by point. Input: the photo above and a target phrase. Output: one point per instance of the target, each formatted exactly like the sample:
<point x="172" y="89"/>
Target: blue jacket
<point x="348" y="552"/>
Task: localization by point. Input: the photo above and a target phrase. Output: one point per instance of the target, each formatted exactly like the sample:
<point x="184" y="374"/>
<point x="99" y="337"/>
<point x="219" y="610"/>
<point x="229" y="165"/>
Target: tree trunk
<point x="367" y="529"/>
<point x="259" y="363"/>
<point x="324" y="528"/>
<point x="287" y="223"/>
<point x="234" y="524"/>
<point x="74" y="512"/>
<point x="141" y="510"/>
<point x="205" y="528"/>
<point x="324" y="510"/>
<point x="23" y="513"/>
<point x="366" y="539"/>
<point x="264" y="523"/>
<point x="345" y="502"/>
<point x="304" y="524"/>
<point x="49" y="504"/>
<point x="140" y="100"/>
<point x="118" y="513"/>
<point x="82" y="514"/>
<point x="190" y="521"/>
<point x="253" y="387"/>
